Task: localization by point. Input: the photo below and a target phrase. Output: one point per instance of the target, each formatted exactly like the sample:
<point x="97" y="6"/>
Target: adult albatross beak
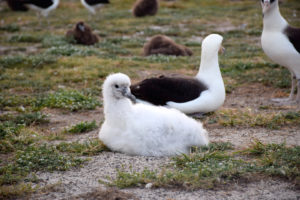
<point x="126" y="93"/>
<point x="266" y="5"/>
<point x="221" y="50"/>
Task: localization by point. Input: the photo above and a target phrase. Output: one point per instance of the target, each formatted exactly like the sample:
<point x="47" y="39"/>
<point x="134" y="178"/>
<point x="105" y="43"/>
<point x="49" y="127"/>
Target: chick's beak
<point x="82" y="28"/>
<point x="222" y="50"/>
<point x="126" y="93"/>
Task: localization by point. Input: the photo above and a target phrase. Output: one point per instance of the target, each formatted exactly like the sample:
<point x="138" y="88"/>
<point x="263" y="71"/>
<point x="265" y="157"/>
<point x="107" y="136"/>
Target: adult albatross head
<point x="268" y="5"/>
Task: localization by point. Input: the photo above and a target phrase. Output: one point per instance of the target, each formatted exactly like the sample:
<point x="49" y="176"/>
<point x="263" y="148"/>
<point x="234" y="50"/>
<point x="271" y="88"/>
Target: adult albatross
<point x="281" y="43"/>
<point x="201" y="94"/>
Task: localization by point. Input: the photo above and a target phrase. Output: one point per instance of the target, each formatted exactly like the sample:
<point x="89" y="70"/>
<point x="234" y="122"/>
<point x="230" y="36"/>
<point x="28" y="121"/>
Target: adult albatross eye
<point x="116" y="86"/>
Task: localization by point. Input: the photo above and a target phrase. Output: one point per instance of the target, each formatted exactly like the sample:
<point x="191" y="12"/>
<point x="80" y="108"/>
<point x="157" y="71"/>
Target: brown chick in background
<point x="161" y="44"/>
<point x="82" y="34"/>
<point x="143" y="8"/>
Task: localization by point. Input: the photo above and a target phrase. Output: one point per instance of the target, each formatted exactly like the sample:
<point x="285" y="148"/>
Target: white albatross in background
<point x="200" y="94"/>
<point x="281" y="43"/>
<point x="139" y="129"/>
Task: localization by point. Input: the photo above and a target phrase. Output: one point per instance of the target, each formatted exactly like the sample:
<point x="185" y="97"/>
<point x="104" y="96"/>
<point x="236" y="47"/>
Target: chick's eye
<point x="116" y="86"/>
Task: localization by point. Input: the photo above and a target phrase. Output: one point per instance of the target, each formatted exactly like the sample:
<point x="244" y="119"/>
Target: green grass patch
<point x="15" y="137"/>
<point x="82" y="127"/>
<point x="72" y="50"/>
<point x="13" y="134"/>
<point x="21" y="61"/>
<point x="10" y="28"/>
<point x="277" y="159"/>
<point x="209" y="168"/>
<point x="26" y="38"/>
<point x="88" y="148"/>
<point x="36" y="158"/>
<point x="26" y="119"/>
<point x="16" y="191"/>
<point x="72" y="100"/>
<point x="248" y="118"/>
<point x="54" y="41"/>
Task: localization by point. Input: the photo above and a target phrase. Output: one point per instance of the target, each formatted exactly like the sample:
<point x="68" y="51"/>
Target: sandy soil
<point x="82" y="183"/>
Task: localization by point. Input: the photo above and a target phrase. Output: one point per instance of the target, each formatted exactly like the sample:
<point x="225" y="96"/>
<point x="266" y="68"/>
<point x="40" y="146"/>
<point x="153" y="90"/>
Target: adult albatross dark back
<point x="92" y="5"/>
<point x="200" y="94"/>
<point x="43" y="7"/>
<point x="281" y="43"/>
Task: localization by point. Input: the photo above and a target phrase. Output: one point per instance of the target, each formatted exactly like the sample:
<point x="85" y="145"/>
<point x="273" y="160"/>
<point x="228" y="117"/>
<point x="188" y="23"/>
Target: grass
<point x="33" y="61"/>
<point x="88" y="148"/>
<point x="25" y="38"/>
<point x="248" y="118"/>
<point x="82" y="127"/>
<point x="14" y="132"/>
<point x="16" y="191"/>
<point x="208" y="168"/>
<point x="277" y="159"/>
<point x="36" y="158"/>
<point x="26" y="119"/>
<point x="72" y="100"/>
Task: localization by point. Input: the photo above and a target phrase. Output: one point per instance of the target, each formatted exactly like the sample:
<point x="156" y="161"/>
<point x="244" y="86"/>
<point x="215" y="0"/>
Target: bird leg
<point x="291" y="96"/>
<point x="298" y="92"/>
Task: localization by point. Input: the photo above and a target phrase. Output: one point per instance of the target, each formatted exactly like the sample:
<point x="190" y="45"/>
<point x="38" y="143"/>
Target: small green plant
<point x="277" y="159"/>
<point x="214" y="165"/>
<point x="25" y="38"/>
<point x="36" y="158"/>
<point x="39" y="60"/>
<point x="112" y="47"/>
<point x="10" y="61"/>
<point x="70" y="50"/>
<point x="8" y="128"/>
<point x="54" y="41"/>
<point x="10" y="28"/>
<point x="34" y="61"/>
<point x="44" y="158"/>
<point x="88" y="148"/>
<point x="26" y="119"/>
<point x="247" y="118"/>
<point x="71" y="100"/>
<point x="82" y="127"/>
<point x="16" y="191"/>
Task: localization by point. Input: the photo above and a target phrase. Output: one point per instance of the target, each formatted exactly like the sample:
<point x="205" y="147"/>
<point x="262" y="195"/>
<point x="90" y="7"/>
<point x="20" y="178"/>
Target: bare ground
<point x="83" y="183"/>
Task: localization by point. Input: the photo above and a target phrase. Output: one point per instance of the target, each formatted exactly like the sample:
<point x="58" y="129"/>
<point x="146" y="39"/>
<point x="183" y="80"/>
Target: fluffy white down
<point x="210" y="74"/>
<point x="139" y="129"/>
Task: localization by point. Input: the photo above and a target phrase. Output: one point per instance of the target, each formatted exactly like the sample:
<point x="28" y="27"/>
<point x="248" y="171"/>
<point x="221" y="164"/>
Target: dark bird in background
<point x="161" y="44"/>
<point x="143" y="8"/>
<point x="43" y="7"/>
<point x="82" y="34"/>
<point x="92" y="5"/>
<point x="17" y="5"/>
